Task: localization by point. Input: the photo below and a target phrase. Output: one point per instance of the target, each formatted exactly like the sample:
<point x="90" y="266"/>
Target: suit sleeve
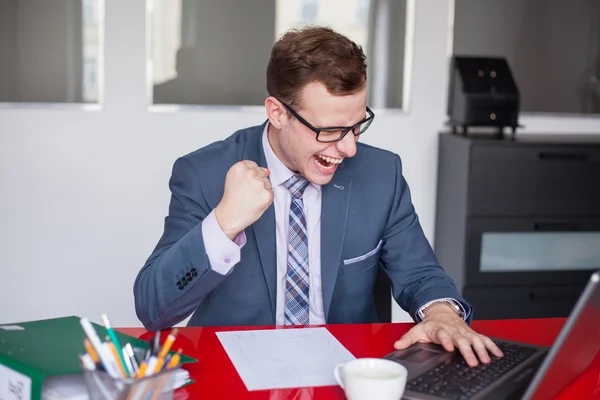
<point x="408" y="259"/>
<point x="178" y="275"/>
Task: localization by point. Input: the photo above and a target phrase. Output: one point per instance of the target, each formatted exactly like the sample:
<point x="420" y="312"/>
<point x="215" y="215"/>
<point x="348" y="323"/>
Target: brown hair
<point x="315" y="54"/>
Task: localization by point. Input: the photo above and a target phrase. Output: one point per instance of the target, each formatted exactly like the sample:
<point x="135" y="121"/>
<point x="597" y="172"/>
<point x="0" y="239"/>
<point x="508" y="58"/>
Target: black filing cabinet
<point x="518" y="220"/>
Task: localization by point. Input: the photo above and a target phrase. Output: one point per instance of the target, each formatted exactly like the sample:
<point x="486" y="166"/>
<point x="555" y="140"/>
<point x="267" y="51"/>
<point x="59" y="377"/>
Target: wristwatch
<point x="451" y="302"/>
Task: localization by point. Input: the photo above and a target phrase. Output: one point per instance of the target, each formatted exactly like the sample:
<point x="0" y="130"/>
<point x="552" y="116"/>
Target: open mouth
<point x="327" y="162"/>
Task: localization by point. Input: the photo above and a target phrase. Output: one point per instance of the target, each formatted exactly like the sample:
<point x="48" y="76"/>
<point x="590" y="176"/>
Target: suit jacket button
<point x="189" y="276"/>
<point x="194" y="272"/>
<point x="184" y="281"/>
<point x="179" y="286"/>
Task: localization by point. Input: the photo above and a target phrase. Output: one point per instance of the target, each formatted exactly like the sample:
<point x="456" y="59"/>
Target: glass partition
<point x="50" y="51"/>
<point x="203" y="53"/>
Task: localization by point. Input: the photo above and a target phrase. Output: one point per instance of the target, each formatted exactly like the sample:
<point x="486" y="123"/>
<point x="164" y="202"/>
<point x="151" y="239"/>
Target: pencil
<point x="174" y="360"/>
<point x="90" y="350"/>
<point x="168" y="343"/>
<point x="159" y="365"/>
<point x="115" y="354"/>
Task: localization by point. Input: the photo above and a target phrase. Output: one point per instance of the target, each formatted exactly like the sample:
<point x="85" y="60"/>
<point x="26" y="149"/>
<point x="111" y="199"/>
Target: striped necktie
<point x="296" y="283"/>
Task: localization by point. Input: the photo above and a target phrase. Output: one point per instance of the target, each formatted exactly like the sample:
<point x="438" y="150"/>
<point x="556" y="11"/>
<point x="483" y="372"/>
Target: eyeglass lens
<point x="332" y="135"/>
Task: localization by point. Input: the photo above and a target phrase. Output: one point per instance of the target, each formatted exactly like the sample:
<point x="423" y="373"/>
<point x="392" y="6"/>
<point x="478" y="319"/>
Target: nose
<point x="347" y="146"/>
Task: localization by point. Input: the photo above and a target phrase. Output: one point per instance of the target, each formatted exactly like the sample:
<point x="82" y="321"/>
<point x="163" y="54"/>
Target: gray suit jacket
<point x="367" y="222"/>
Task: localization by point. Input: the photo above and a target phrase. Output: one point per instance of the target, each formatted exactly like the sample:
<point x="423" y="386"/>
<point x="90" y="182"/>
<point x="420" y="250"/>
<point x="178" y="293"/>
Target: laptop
<point x="525" y="372"/>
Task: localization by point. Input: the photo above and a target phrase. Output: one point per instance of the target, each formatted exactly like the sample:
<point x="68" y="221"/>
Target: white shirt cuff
<point x="421" y="314"/>
<point x="222" y="252"/>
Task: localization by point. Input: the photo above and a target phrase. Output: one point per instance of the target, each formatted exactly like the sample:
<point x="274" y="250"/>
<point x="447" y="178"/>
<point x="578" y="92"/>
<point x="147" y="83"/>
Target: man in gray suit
<point x="287" y="223"/>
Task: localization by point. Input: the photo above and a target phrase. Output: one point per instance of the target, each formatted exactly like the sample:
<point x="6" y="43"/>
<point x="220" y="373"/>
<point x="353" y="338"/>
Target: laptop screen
<point x="576" y="346"/>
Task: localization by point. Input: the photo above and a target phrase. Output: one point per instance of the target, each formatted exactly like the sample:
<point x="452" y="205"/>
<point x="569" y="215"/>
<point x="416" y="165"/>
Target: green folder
<point x="48" y="348"/>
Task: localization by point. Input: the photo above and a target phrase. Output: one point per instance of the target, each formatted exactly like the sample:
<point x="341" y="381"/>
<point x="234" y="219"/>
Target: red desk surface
<point x="216" y="377"/>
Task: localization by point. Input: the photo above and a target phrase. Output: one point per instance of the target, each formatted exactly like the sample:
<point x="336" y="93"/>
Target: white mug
<point x="371" y="378"/>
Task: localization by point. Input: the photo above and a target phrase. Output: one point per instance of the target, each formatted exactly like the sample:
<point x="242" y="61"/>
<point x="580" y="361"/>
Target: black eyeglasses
<point x="334" y="133"/>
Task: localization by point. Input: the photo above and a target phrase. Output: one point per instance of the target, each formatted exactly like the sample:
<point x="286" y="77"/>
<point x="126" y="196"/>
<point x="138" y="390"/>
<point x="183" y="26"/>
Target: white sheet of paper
<point x="284" y="358"/>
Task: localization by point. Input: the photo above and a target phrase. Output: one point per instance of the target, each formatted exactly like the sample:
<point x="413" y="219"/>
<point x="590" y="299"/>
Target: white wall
<point x="84" y="193"/>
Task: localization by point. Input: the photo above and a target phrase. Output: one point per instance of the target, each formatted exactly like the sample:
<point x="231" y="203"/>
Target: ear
<point x="275" y="111"/>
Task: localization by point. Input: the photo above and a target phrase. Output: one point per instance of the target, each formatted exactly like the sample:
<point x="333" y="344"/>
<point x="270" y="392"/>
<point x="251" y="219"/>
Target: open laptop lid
<point x="574" y="349"/>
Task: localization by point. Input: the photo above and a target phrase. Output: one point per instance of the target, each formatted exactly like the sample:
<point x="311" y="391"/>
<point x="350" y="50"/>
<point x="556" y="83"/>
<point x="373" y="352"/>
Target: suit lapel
<point x="335" y="206"/>
<point x="264" y="228"/>
<point x="264" y="233"/>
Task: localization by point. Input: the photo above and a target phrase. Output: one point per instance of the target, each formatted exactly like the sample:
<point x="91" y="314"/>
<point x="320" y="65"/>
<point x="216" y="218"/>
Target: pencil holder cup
<point x="102" y="386"/>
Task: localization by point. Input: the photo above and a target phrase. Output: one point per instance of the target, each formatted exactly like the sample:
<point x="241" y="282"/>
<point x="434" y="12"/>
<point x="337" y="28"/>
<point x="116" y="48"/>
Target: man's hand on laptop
<point x="443" y="326"/>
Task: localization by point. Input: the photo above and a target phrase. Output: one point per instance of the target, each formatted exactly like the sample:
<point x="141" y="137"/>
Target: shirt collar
<point x="279" y="173"/>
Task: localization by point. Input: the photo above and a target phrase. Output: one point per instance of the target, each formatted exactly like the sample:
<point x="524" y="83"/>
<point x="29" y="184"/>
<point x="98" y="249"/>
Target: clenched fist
<point x="248" y="194"/>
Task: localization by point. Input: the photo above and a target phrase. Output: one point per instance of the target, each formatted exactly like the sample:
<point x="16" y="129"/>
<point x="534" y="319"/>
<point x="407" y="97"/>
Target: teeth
<point x="331" y="160"/>
<point x="331" y="166"/>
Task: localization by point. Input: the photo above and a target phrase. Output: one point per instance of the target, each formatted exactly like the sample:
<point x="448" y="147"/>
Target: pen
<point x="117" y="345"/>
<point x="167" y="360"/>
<point x="128" y="351"/>
<point x="90" y="350"/>
<point x="156" y="344"/>
<point x="100" y="350"/>
<point x="87" y="362"/>
<point x="165" y="350"/>
<point x="129" y="366"/>
<point x="148" y="351"/>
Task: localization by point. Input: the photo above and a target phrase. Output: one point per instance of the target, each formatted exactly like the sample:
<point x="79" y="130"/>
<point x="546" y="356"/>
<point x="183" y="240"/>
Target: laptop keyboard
<point x="456" y="380"/>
